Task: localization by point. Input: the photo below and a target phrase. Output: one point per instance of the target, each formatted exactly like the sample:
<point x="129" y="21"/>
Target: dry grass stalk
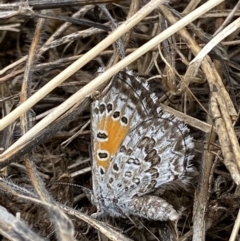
<point x="185" y="87"/>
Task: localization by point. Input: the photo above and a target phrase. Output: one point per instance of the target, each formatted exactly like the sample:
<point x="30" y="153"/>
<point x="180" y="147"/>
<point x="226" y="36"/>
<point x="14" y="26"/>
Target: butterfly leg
<point x="98" y="214"/>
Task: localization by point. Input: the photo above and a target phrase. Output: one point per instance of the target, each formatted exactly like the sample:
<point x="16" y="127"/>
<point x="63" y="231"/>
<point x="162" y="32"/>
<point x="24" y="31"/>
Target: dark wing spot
<point x="123" y="149"/>
<point x="116" y="114"/>
<point x="124" y="120"/>
<point x="110" y="180"/>
<point x="96" y="110"/>
<point x="102" y="108"/>
<point x="109" y="107"/>
<point x="128" y="174"/>
<point x="150" y="187"/>
<point x="136" y="180"/>
<point x="136" y="162"/>
<point x="147" y="144"/>
<point x="102" y="172"/>
<point x="130" y="161"/>
<point x="153" y="183"/>
<point x="133" y="161"/>
<point x="153" y="157"/>
<point x="156" y="160"/>
<point x="150" y="155"/>
<point x="154" y="172"/>
<point x="115" y="167"/>
<point x="143" y="142"/>
<point x="150" y="145"/>
<point x="128" y="151"/>
<point x="102" y="155"/>
<point x="102" y="135"/>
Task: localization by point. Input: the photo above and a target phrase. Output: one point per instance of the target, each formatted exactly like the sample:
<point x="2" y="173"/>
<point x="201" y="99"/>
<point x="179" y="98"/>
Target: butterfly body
<point x="137" y="148"/>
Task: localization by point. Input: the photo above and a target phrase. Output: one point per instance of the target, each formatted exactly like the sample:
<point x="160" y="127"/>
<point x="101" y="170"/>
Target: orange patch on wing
<point x="105" y="164"/>
<point x="116" y="133"/>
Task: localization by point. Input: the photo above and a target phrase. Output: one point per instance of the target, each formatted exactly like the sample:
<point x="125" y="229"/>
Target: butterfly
<point x="136" y="149"/>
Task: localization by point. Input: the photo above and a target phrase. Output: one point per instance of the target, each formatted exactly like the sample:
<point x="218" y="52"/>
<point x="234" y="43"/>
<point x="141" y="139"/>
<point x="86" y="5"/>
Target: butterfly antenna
<point x="84" y="189"/>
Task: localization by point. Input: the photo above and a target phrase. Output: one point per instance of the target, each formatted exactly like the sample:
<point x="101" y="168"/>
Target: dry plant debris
<point x="41" y="167"/>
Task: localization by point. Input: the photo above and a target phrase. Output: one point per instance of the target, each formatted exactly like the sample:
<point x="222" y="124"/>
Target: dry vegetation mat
<point x="57" y="57"/>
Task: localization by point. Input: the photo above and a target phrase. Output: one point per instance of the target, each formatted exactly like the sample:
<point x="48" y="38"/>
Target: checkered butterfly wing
<point x="136" y="149"/>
